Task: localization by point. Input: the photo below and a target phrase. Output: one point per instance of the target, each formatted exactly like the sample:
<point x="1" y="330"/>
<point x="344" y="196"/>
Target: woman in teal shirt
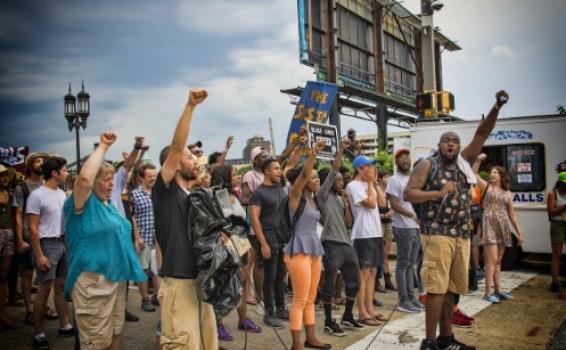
<point x="101" y="253"/>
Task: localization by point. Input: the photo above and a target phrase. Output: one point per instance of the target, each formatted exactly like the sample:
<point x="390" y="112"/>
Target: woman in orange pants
<point x="303" y="253"/>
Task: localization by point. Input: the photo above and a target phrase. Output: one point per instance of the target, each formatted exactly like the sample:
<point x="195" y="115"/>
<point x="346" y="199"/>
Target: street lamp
<point x="77" y="110"/>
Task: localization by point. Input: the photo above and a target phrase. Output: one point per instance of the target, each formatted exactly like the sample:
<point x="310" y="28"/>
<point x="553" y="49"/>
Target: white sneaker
<point x="259" y="309"/>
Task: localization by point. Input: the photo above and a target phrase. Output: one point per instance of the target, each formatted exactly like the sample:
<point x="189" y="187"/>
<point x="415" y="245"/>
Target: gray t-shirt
<point x="48" y="204"/>
<point x="395" y="187"/>
<point x="172" y="229"/>
<point x="269" y="199"/>
<point x="20" y="201"/>
<point x="305" y="238"/>
<point x="332" y="209"/>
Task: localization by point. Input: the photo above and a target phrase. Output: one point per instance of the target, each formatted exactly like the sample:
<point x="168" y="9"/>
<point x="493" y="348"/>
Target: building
<point x="253" y="142"/>
<point x="371" y="145"/>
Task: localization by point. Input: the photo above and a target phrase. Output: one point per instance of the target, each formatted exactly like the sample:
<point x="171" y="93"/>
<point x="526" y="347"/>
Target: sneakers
<point x="450" y="343"/>
<point x="249" y="326"/>
<point x="492" y="298"/>
<point x="422" y="298"/>
<point x="458" y="320"/>
<point x="223" y="334"/>
<point x="555" y="287"/>
<point x="67" y="331"/>
<point x="428" y="345"/>
<point x="334" y="329"/>
<point x="504" y="296"/>
<point x="260" y="309"/>
<point x="480" y="274"/>
<point x="459" y="312"/>
<point x="282" y="313"/>
<point x="351" y="323"/>
<point x="40" y="342"/>
<point x="273" y="321"/>
<point x="130" y="317"/>
<point x="418" y="304"/>
<point x="147" y="306"/>
<point x="154" y="300"/>
<point x="407" y="306"/>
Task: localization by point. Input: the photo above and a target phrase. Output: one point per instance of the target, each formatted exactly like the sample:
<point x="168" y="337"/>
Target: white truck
<point x="529" y="148"/>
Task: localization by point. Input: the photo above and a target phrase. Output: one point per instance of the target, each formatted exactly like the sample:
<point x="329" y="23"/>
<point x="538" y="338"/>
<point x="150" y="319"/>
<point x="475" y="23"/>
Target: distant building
<point x="371" y="145"/>
<point x="253" y="142"/>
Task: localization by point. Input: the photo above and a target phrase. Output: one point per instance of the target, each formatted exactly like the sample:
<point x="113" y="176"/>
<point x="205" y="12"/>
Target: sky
<point x="138" y="60"/>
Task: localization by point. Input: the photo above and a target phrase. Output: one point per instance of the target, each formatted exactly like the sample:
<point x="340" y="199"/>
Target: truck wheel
<point x="511" y="255"/>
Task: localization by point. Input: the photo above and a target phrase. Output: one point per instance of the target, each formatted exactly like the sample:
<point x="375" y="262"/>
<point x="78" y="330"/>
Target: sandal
<point x="370" y="321"/>
<point x="50" y="314"/>
<point x="380" y="317"/>
<point x="251" y="301"/>
<point x="28" y="319"/>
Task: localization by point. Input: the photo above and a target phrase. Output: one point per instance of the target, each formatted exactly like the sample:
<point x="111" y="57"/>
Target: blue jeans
<point x="408" y="245"/>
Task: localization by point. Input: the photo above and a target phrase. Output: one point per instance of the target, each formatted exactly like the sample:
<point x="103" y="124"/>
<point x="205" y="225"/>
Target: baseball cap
<point x="401" y="151"/>
<point x="562" y="177"/>
<point x="360" y="161"/>
<point x="256" y="151"/>
<point x="3" y="168"/>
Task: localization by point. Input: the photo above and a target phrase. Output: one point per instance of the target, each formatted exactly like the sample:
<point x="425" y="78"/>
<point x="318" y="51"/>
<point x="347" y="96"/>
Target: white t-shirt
<point x="48" y="204"/>
<point x="366" y="220"/>
<point x="395" y="187"/>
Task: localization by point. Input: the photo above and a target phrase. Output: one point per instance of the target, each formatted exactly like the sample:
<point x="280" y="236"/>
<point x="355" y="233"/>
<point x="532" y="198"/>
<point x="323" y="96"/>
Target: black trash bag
<point x="218" y="276"/>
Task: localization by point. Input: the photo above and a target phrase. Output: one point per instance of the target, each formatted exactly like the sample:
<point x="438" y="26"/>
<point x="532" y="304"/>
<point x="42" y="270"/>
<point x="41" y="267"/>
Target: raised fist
<point x="345" y="143"/>
<point x="108" y="138"/>
<point x="229" y="142"/>
<point x="139" y="141"/>
<point x="319" y="146"/>
<point x="482" y="157"/>
<point x="501" y="98"/>
<point x="196" y="96"/>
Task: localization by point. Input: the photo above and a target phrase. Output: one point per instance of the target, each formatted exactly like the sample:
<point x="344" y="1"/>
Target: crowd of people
<point x="310" y="231"/>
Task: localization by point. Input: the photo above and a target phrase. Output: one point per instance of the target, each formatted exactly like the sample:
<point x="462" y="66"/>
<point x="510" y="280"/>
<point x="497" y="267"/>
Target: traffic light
<point x="445" y="102"/>
<point x="426" y="103"/>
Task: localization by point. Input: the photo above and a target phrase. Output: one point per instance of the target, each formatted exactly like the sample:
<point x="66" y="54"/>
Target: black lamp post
<point x="77" y="110"/>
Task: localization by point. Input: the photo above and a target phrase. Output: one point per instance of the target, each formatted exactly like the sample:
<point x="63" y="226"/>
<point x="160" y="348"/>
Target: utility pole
<point x="427" y="46"/>
<point x="273" y="152"/>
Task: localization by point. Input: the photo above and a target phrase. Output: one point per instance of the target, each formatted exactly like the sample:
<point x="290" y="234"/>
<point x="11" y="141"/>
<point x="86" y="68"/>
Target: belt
<point x="56" y="239"/>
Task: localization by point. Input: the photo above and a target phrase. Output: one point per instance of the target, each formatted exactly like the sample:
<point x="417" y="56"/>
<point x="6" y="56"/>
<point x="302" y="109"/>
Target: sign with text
<point x="326" y="132"/>
<point x="315" y="104"/>
<point x="14" y="157"/>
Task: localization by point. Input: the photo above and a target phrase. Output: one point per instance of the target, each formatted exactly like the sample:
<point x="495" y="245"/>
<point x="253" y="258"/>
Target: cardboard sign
<point x="14" y="157"/>
<point x="326" y="132"/>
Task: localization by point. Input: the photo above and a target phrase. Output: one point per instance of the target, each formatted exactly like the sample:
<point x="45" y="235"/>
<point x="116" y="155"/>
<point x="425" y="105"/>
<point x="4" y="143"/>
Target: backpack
<point x="286" y="224"/>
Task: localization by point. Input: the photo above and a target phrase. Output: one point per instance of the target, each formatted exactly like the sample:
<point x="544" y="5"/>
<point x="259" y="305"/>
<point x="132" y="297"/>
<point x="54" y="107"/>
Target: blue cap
<point x="360" y="161"/>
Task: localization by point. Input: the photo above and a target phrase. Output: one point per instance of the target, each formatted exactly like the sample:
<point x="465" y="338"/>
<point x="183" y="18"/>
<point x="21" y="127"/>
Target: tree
<point x="561" y="110"/>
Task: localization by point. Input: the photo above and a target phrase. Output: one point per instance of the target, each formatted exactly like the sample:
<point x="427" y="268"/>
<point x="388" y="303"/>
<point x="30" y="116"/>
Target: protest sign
<point x="14" y="157"/>
<point x="314" y="105"/>
<point x="326" y="132"/>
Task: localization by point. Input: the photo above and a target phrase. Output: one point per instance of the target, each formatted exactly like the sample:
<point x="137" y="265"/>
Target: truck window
<point x="525" y="164"/>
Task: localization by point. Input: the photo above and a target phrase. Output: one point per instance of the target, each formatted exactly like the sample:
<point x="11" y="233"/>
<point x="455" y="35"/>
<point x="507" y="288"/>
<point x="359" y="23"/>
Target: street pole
<point x="427" y="47"/>
<point x="78" y="145"/>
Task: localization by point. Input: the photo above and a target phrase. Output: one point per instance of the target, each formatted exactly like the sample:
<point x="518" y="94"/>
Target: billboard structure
<point x="372" y="49"/>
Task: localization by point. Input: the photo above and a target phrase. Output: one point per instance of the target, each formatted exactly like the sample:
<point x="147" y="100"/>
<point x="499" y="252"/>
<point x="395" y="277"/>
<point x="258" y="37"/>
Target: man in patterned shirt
<point x="442" y="184"/>
<point x="144" y="230"/>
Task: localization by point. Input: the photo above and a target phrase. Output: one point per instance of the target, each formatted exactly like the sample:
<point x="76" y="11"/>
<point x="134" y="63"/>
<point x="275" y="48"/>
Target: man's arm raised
<point x="196" y="96"/>
<point x="484" y="128"/>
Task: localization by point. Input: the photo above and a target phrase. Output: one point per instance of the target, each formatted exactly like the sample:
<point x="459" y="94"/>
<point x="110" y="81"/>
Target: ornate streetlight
<point x="77" y="110"/>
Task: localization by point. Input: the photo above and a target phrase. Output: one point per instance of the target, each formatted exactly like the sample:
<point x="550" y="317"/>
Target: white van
<point x="528" y="147"/>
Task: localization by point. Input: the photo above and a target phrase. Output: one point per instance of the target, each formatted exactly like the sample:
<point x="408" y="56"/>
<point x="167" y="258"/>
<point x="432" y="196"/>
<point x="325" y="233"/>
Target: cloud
<point x="504" y="52"/>
<point x="232" y="17"/>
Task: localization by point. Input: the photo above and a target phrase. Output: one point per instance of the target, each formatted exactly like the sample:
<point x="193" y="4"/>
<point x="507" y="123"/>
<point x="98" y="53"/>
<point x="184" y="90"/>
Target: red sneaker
<point x="459" y="321"/>
<point x="458" y="311"/>
<point x="422" y="298"/>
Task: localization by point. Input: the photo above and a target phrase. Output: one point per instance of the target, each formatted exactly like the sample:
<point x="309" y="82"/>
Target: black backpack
<point x="286" y="225"/>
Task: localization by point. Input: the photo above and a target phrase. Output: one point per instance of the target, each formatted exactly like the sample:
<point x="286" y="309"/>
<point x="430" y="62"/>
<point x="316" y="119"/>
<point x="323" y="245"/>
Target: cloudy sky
<point x="139" y="58"/>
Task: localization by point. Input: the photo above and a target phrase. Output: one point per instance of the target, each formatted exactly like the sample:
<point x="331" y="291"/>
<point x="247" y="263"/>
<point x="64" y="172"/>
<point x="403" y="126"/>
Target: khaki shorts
<point x="387" y="232"/>
<point x="100" y="307"/>
<point x="557" y="232"/>
<point x="144" y="257"/>
<point x="445" y="264"/>
<point x="181" y="323"/>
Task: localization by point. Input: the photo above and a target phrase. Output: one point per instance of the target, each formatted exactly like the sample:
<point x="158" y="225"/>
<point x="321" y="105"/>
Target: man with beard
<point x="144" y="230"/>
<point x="33" y="181"/>
<point x="406" y="231"/>
<point x="442" y="184"/>
<point x="186" y="322"/>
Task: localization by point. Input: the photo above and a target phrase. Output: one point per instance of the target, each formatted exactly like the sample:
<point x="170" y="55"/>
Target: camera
<point x="436" y="5"/>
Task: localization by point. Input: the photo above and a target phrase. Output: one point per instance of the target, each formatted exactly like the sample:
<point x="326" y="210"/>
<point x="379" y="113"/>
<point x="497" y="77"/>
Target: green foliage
<point x="385" y="160"/>
<point x="244" y="170"/>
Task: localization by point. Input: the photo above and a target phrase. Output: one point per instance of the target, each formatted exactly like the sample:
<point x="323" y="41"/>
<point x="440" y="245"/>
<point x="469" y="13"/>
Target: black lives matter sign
<point x="328" y="134"/>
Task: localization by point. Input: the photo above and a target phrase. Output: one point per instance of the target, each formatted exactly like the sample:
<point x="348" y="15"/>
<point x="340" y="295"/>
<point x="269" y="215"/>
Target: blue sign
<point x="502" y="135"/>
<point x="315" y="104"/>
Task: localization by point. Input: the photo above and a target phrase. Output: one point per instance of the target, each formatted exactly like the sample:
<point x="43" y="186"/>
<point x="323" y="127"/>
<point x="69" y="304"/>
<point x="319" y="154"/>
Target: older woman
<point x="101" y="254"/>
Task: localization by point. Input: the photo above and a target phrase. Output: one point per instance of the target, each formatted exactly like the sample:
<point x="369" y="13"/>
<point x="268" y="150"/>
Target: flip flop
<point x="370" y="321"/>
<point x="380" y="317"/>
